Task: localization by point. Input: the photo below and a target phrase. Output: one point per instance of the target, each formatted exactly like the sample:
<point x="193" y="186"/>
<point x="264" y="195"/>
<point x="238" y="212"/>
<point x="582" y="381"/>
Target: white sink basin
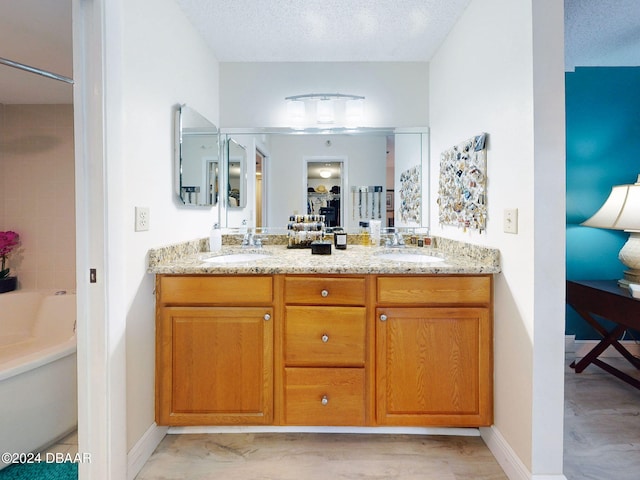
<point x="236" y="258"/>
<point x="409" y="257"/>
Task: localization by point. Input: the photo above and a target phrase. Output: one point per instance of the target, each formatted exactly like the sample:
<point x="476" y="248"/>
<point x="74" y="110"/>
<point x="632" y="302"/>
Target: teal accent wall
<point x="603" y="150"/>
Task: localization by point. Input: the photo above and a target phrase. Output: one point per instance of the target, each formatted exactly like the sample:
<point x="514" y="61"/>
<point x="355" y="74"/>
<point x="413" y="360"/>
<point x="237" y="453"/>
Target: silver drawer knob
<point x="325" y="338"/>
<point x="325" y="400"/>
<point x="324" y="293"/>
<point x="383" y="318"/>
<point x="267" y="317"/>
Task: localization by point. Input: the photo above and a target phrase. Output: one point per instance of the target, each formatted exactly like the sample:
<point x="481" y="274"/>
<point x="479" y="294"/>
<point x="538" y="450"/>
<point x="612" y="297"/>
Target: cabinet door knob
<point x="324" y="293"/>
<point x="383" y="318"/>
<point x="325" y="338"/>
<point x="325" y="400"/>
<point x="267" y="317"/>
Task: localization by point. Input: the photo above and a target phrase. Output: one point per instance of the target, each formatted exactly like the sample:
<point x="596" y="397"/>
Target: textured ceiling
<point x="38" y="33"/>
<point x="323" y="30"/>
<point x="603" y="33"/>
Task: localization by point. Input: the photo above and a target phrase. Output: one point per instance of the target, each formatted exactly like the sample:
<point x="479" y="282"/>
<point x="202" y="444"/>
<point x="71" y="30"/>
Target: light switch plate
<point x="142" y="219"/>
<point x="511" y="220"/>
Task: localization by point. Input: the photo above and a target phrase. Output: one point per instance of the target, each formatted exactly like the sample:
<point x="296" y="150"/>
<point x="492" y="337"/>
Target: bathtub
<point x="38" y="381"/>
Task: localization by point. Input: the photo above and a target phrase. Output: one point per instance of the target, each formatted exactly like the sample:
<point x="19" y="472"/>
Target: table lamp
<point x="621" y="211"/>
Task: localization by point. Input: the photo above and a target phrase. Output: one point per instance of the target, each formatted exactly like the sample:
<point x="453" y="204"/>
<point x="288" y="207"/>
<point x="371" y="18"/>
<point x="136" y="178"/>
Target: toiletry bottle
<point x="215" y="238"/>
<point x="340" y="239"/>
<point x="375" y="229"/>
<point x="365" y="237"/>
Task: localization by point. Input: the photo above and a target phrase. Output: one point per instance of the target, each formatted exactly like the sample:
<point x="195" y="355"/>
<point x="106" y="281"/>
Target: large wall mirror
<point x="198" y="166"/>
<point x="348" y="175"/>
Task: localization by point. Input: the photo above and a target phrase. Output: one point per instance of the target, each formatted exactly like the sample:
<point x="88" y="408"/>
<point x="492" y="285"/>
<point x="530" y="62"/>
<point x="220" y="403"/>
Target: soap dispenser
<point x="215" y="238"/>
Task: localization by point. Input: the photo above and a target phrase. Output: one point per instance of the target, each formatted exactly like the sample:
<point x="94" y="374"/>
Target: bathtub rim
<point x="33" y="360"/>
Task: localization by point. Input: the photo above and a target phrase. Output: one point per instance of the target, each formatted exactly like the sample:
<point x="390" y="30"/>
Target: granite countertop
<point x="190" y="258"/>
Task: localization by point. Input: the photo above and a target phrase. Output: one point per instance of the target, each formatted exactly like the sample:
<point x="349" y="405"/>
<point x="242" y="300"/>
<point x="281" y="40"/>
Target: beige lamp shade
<point x="621" y="211"/>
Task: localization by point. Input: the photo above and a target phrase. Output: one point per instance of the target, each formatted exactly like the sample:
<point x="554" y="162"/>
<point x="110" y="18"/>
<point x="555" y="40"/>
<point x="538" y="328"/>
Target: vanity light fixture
<point x="326" y="108"/>
<point x="324" y="113"/>
<point x="354" y="112"/>
<point x="621" y="211"/>
<point x="296" y="112"/>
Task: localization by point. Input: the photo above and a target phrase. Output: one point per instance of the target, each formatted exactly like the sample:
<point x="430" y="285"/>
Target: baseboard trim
<point x="461" y="432"/>
<point x="513" y="467"/>
<point x="142" y="450"/>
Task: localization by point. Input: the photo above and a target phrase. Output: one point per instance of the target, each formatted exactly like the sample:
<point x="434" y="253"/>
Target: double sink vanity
<point x="365" y="336"/>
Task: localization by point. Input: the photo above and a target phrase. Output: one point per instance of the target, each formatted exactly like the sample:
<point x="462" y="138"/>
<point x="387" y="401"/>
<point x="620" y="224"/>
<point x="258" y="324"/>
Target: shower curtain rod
<point x="44" y="73"/>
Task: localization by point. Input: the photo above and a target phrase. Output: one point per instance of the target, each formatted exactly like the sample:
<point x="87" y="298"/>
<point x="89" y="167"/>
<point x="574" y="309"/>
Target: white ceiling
<point x="323" y="30"/>
<point x="38" y="33"/>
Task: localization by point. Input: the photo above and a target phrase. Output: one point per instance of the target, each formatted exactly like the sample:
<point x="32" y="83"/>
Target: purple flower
<point x="8" y="241"/>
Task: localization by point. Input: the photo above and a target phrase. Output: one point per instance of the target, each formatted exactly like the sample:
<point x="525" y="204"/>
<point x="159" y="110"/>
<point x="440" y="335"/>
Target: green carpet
<point x="40" y="471"/>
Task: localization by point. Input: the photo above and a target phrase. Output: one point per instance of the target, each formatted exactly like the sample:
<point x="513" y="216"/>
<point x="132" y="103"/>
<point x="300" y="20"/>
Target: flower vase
<point x="8" y="284"/>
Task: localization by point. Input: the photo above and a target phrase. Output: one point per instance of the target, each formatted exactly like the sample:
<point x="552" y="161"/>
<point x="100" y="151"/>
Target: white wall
<point x="493" y="75"/>
<point x="253" y="93"/>
<point x="164" y="63"/>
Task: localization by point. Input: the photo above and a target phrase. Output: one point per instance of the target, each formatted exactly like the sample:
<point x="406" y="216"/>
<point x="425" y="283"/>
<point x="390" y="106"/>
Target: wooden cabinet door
<point x="434" y="366"/>
<point x="216" y="366"/>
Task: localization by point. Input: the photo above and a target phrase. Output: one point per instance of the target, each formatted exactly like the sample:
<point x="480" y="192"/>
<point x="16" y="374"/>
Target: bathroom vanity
<point x="350" y="339"/>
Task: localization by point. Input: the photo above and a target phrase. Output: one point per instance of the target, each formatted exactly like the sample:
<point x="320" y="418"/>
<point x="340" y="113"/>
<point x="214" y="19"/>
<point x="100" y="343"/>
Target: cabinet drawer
<point x="324" y="291"/>
<point x="324" y="396"/>
<point x="325" y="336"/>
<point x="215" y="290"/>
<point x="436" y="290"/>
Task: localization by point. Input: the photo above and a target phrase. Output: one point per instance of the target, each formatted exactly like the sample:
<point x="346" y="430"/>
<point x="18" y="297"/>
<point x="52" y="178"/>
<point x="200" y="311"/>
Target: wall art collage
<point x="410" y="195"/>
<point x="462" y="192"/>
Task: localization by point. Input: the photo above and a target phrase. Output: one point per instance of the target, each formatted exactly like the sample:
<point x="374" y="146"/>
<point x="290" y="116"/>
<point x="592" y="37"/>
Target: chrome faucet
<point x="396" y="240"/>
<point x="251" y="240"/>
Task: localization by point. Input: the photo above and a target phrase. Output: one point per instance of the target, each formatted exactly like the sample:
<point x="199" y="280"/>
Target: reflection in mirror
<point x="197" y="159"/>
<point x="324" y="187"/>
<point x="371" y="160"/>
<point x="236" y="178"/>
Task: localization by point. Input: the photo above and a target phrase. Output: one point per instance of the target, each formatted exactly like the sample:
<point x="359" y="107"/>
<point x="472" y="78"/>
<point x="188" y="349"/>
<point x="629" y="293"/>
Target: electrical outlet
<point x="142" y="219"/>
<point x="511" y="220"/>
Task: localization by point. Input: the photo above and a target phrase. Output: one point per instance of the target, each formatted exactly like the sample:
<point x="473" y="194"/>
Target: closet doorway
<point x="325" y="180"/>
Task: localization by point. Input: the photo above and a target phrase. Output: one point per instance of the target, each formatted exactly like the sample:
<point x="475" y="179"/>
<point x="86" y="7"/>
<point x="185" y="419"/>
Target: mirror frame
<point x="179" y="117"/>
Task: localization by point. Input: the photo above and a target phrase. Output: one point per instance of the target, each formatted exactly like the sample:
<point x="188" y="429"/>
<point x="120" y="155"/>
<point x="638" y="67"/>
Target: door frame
<point x="101" y="322"/>
<point x="344" y="160"/>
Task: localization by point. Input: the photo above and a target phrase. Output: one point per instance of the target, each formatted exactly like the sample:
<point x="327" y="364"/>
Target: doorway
<point x="325" y="179"/>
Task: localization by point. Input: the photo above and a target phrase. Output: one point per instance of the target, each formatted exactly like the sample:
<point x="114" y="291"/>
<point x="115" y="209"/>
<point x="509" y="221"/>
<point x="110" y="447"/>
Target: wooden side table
<point x="605" y="299"/>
